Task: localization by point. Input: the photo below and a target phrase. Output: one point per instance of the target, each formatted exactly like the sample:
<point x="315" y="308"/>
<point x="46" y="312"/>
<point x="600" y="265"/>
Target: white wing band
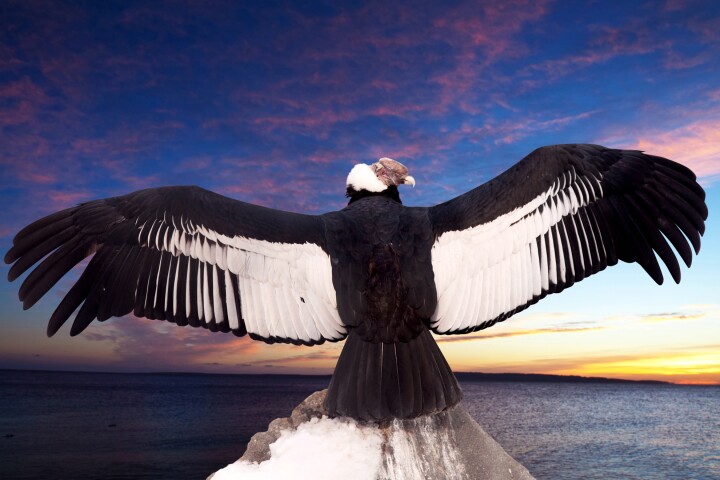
<point x="285" y="290"/>
<point x="493" y="268"/>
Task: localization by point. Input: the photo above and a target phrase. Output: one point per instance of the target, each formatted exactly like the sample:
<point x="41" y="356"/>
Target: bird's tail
<point x="379" y="381"/>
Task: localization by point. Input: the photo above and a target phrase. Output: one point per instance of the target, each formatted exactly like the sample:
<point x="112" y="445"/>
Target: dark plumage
<point x="379" y="273"/>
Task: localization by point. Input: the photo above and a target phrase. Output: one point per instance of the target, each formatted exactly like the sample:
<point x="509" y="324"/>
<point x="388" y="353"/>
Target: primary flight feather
<point x="378" y="273"/>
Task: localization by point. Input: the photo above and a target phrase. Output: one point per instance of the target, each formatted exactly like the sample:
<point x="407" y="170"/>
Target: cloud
<point x="608" y="43"/>
<point x="133" y="341"/>
<point x="288" y="195"/>
<point x="516" y="333"/>
<point x="328" y="87"/>
<point x="708" y="28"/>
<point x="319" y="357"/>
<point x="63" y="199"/>
<point x="508" y="132"/>
<point x="672" y="317"/>
<point x="695" y="145"/>
<point x="685" y="313"/>
<point x="681" y="61"/>
<point x="687" y="367"/>
<point x="480" y="42"/>
<point x="194" y="164"/>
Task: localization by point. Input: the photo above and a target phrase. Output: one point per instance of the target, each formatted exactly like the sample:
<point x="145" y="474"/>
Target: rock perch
<point x="447" y="445"/>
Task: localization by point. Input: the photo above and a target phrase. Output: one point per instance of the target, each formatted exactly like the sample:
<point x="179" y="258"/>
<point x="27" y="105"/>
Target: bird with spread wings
<point x="379" y="274"/>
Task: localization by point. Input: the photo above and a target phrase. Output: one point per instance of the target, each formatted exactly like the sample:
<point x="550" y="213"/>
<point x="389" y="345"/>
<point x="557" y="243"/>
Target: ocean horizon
<point x="469" y="376"/>
<point x="87" y="425"/>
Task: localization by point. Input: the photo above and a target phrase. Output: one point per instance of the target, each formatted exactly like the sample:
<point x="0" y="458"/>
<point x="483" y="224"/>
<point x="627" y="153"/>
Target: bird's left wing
<point x="189" y="256"/>
<point x="559" y="215"/>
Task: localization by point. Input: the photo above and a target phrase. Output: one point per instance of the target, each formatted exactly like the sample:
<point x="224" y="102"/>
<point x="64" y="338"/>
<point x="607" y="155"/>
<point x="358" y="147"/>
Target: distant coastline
<point x="462" y="376"/>
<point x="538" y="377"/>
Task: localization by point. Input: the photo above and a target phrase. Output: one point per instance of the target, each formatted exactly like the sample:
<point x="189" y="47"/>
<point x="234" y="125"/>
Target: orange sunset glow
<point x="630" y="347"/>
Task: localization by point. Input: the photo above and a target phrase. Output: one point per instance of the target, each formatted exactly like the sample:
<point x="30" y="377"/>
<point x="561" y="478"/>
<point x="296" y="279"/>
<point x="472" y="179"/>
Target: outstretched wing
<point x="562" y="213"/>
<point x="189" y="256"/>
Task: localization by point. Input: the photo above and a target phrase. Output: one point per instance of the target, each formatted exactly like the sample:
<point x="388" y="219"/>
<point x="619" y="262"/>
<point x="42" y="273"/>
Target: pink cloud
<point x="674" y="5"/>
<point x="515" y="333"/>
<point x="326" y="157"/>
<point x="24" y="158"/>
<point x="407" y="150"/>
<point x="480" y="41"/>
<point x="394" y="110"/>
<point x="131" y="342"/>
<point x="63" y="199"/>
<point x="609" y="43"/>
<point x="319" y="358"/>
<point x="290" y="196"/>
<point x="707" y="28"/>
<point x="175" y="348"/>
<point x="6" y="231"/>
<point x="678" y="61"/>
<point x="634" y="39"/>
<point x="67" y="74"/>
<point x="195" y="163"/>
<point x="277" y="179"/>
<point x="23" y="100"/>
<point x="315" y="120"/>
<point x="318" y="115"/>
<point x="490" y="26"/>
<point x="714" y="94"/>
<point x="22" y="113"/>
<point x="383" y="85"/>
<point x="8" y="58"/>
<point x="695" y="144"/>
<point x="24" y="89"/>
<point x="511" y="131"/>
<point x="36" y="177"/>
<point x="479" y="37"/>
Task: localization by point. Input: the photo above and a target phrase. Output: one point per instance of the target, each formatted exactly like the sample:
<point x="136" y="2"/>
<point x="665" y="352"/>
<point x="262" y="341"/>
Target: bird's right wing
<point x="189" y="256"/>
<point x="559" y="215"/>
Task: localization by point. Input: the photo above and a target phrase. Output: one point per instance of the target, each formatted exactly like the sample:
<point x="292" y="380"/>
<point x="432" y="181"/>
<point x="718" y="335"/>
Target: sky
<point x="274" y="102"/>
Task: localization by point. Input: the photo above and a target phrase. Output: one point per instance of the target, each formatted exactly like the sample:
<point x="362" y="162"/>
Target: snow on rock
<point x="320" y="449"/>
<point x="447" y="445"/>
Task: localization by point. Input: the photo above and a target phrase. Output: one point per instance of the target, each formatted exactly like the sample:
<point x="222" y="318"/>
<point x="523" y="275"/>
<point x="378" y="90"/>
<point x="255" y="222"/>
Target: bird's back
<point x="390" y="366"/>
<point x="382" y="270"/>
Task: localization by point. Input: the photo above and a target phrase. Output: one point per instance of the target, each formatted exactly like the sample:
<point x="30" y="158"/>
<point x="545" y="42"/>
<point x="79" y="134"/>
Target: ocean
<point x="65" y="425"/>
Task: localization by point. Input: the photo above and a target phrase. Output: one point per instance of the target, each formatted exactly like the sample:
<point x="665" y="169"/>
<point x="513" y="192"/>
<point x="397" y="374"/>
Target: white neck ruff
<point x="362" y="177"/>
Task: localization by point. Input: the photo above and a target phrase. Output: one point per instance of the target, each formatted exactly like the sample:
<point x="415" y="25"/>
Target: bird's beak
<point x="409" y="180"/>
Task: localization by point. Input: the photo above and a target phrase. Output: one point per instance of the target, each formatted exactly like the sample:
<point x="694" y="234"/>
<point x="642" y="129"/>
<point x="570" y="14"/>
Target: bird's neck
<point x="354" y="195"/>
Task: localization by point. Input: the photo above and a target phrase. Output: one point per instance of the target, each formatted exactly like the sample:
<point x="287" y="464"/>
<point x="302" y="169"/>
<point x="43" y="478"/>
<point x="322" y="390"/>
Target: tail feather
<point x="380" y="381"/>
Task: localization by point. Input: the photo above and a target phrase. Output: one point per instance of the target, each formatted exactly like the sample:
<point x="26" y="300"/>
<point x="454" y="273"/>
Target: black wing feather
<point x="128" y="272"/>
<point x="631" y="206"/>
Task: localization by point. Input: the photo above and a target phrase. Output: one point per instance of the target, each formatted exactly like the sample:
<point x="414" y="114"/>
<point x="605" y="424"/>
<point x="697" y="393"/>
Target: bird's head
<point x="382" y="176"/>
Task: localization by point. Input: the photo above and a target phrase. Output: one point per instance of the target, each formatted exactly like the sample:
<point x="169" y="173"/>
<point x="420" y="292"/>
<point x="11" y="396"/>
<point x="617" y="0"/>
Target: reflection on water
<point x="603" y="431"/>
<point x="123" y="426"/>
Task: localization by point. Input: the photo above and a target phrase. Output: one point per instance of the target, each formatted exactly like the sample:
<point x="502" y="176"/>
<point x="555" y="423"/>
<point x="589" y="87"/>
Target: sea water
<point x="57" y="425"/>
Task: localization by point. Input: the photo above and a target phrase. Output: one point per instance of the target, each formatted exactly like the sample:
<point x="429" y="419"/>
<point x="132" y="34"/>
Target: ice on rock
<point x="447" y="445"/>
<point x="320" y="449"/>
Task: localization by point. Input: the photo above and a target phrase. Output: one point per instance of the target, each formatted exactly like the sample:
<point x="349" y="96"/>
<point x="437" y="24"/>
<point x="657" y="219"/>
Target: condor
<point x="378" y="274"/>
